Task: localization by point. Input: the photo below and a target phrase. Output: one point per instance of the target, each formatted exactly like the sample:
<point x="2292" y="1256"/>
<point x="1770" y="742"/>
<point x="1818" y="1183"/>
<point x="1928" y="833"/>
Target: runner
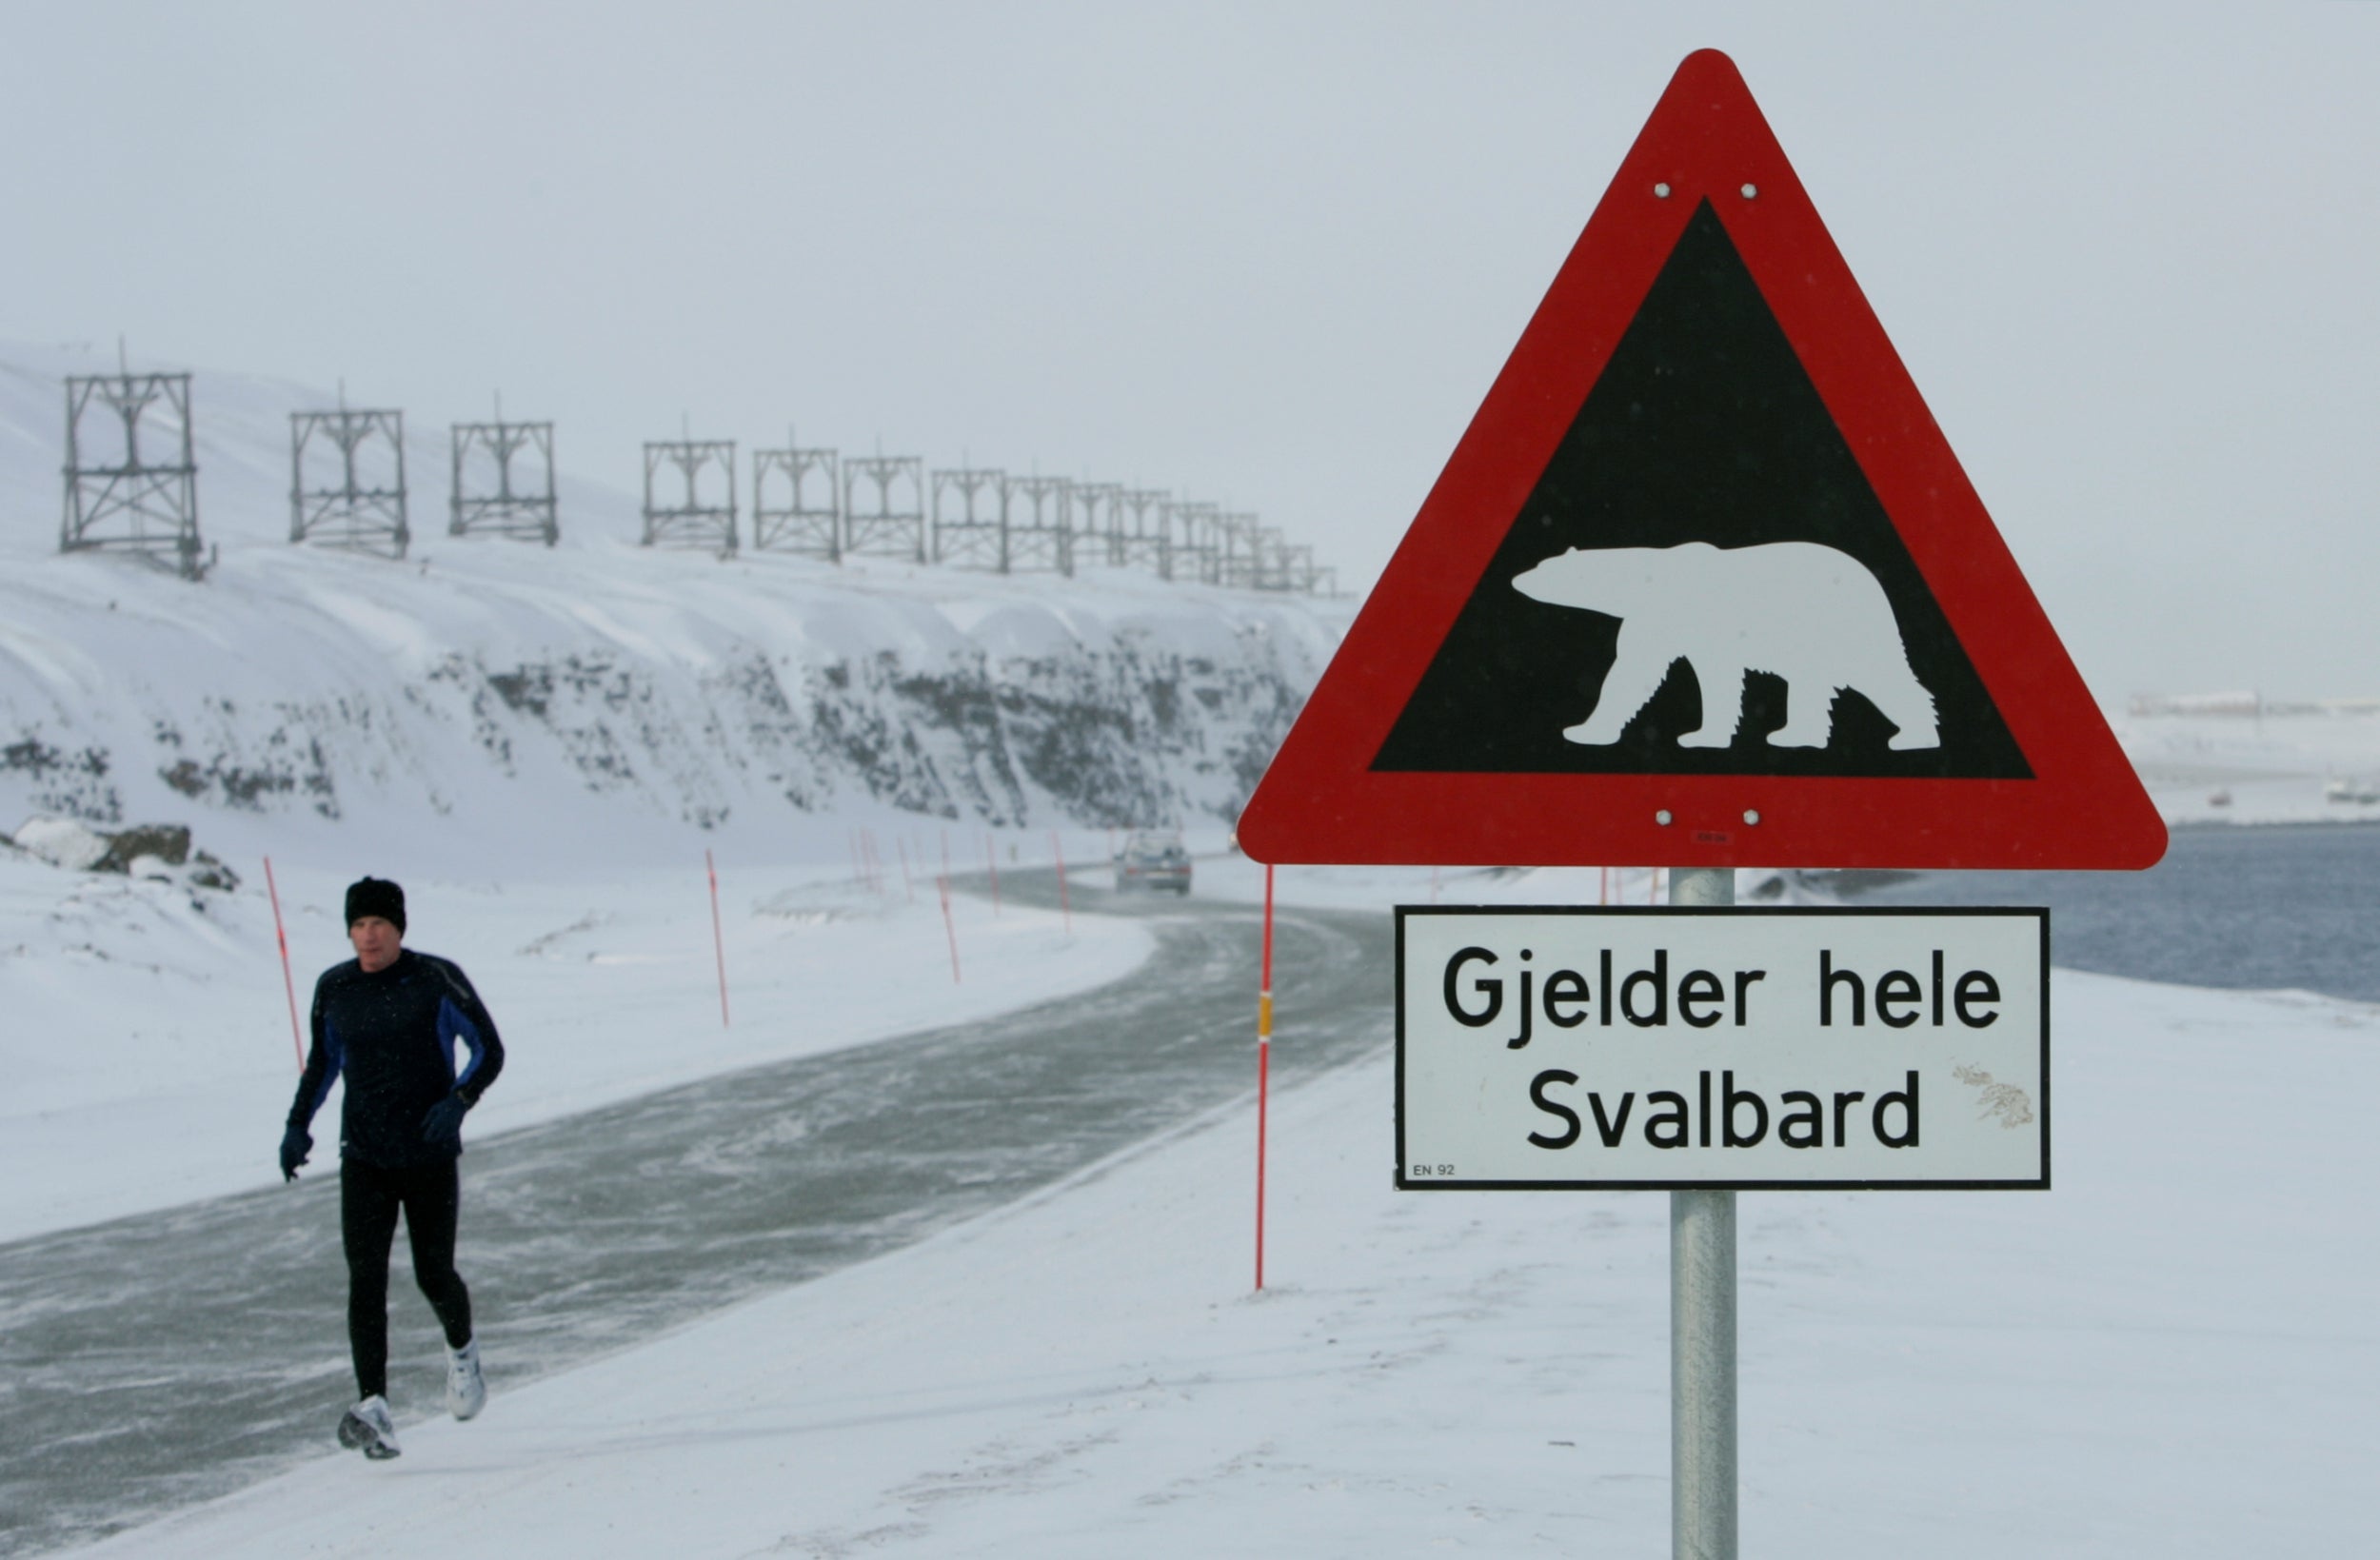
<point x="389" y="1019"/>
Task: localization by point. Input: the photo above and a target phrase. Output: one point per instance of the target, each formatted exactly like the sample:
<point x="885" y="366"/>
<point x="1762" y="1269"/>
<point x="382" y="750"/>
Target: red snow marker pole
<point x="1059" y="849"/>
<point x="1263" y="1067"/>
<point x="951" y="930"/>
<point x="719" y="940"/>
<point x="992" y="861"/>
<point x="286" y="983"/>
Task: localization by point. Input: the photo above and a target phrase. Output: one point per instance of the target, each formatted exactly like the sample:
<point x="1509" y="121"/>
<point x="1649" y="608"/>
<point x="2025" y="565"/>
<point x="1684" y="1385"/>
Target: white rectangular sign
<point x="1747" y="1047"/>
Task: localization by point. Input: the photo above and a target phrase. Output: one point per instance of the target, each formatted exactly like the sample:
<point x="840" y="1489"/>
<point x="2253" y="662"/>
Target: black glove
<point x="443" y="1126"/>
<point x="296" y="1144"/>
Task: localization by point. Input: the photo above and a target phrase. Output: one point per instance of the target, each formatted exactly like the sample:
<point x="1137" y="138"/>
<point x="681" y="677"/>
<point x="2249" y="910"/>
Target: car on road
<point x="1151" y="859"/>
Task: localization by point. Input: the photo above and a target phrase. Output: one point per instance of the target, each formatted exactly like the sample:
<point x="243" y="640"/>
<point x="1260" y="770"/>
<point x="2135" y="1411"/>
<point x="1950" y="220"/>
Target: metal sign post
<point x="1702" y="1329"/>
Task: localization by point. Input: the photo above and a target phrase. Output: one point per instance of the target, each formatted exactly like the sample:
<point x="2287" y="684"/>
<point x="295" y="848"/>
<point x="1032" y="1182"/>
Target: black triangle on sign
<point x="1703" y="428"/>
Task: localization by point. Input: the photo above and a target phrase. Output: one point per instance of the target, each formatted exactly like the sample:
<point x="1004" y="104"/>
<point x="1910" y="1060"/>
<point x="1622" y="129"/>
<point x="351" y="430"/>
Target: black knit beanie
<point x="376" y="897"/>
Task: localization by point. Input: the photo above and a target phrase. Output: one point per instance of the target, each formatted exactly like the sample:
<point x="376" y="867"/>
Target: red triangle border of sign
<point x="1319" y="801"/>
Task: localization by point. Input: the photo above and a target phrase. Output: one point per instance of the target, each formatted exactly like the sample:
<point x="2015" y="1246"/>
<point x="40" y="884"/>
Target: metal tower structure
<point x="1293" y="569"/>
<point x="346" y="480"/>
<point x="977" y="536"/>
<point x="133" y="503"/>
<point x="892" y="529"/>
<point x="1093" y="521"/>
<point x="523" y="507"/>
<point x="1137" y="530"/>
<point x="1241" y="540"/>
<point x="694" y="523"/>
<point x="1265" y="552"/>
<point x="1045" y="538"/>
<point x="1197" y="554"/>
<point x="802" y="524"/>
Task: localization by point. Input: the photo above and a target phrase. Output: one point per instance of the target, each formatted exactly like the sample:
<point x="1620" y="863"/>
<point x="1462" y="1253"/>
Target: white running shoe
<point x="467" y="1390"/>
<point x="367" y="1425"/>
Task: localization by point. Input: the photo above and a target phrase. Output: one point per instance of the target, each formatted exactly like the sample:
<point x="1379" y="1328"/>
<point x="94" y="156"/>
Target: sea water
<point x="2257" y="908"/>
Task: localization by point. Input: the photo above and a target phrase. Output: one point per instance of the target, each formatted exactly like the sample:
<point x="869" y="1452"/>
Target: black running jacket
<point x="393" y="1034"/>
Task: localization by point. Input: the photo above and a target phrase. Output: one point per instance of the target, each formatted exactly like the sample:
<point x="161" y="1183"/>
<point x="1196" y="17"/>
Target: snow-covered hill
<point x="2311" y="765"/>
<point x="497" y="695"/>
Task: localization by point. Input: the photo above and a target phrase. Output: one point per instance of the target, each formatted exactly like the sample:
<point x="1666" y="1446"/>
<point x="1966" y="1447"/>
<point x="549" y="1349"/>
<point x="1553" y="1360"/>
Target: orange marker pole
<point x="719" y="940"/>
<point x="287" y="984"/>
<point x="1059" y="849"/>
<point x="1263" y="1067"/>
<point x="950" y="930"/>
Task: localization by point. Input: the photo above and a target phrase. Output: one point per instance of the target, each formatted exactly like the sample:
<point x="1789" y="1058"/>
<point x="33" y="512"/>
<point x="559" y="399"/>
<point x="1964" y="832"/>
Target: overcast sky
<point x="1267" y="254"/>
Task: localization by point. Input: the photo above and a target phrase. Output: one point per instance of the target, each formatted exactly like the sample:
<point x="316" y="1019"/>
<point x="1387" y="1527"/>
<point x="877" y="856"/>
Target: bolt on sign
<point x="1738" y="1048"/>
<point x="1703" y="582"/>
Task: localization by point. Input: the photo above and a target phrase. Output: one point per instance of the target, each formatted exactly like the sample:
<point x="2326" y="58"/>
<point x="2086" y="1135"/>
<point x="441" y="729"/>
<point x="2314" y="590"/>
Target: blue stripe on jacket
<point x="454" y="1024"/>
<point x="332" y="1055"/>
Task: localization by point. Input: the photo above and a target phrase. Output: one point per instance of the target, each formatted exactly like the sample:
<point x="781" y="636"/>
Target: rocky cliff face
<point x="1126" y="734"/>
<point x="1137" y="719"/>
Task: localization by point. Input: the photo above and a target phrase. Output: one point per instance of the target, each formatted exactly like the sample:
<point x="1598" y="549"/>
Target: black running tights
<point x="370" y="1198"/>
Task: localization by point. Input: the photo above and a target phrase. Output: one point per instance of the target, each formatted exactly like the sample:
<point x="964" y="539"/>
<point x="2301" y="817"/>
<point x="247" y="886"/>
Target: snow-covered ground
<point x="2170" y="1352"/>
<point x="2173" y="1353"/>
<point x="149" y="1050"/>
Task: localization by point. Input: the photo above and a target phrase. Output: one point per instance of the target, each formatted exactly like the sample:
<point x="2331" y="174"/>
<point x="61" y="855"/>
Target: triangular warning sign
<point x="1703" y="584"/>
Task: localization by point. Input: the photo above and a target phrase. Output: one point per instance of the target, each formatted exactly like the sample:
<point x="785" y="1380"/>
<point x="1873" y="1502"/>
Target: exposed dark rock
<point x="208" y="872"/>
<point x="168" y="843"/>
<point x="71" y="783"/>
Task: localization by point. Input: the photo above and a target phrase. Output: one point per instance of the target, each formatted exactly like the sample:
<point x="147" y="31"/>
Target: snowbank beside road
<point x="2160" y="1356"/>
<point x="149" y="1047"/>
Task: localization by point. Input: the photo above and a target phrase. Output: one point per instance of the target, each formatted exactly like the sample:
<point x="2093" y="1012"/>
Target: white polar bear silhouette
<point x="1807" y="613"/>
